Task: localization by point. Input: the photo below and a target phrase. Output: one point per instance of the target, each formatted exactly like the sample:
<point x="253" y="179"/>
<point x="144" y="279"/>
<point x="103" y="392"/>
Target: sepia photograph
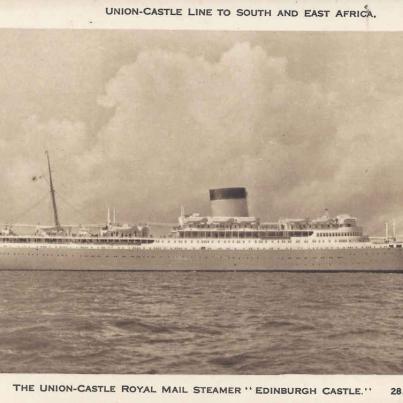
<point x="201" y="202"/>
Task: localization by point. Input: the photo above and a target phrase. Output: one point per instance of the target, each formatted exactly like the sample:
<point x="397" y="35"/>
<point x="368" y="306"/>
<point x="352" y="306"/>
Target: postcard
<point x="201" y="201"/>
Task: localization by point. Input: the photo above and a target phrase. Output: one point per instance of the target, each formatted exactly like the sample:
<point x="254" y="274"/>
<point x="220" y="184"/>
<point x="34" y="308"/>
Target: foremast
<point x="52" y="193"/>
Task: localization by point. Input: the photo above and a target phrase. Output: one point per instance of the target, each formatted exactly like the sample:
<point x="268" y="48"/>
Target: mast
<point x="52" y="193"/>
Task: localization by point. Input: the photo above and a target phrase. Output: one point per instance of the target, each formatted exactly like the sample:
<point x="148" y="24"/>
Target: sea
<point x="201" y="323"/>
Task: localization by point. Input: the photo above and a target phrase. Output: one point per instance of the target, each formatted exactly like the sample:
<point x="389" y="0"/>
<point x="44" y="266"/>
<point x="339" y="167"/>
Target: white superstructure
<point x="222" y="242"/>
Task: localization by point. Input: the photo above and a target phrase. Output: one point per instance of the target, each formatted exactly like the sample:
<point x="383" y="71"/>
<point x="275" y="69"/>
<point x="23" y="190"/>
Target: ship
<point x="227" y="240"/>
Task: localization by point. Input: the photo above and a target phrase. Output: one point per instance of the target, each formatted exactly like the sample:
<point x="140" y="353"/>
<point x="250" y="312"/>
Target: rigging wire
<point x="79" y="211"/>
<point x="74" y="208"/>
<point x="28" y="209"/>
<point x="162" y="224"/>
<point x="65" y="201"/>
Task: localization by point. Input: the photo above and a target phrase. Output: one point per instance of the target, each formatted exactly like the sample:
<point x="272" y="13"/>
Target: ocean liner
<point x="228" y="240"/>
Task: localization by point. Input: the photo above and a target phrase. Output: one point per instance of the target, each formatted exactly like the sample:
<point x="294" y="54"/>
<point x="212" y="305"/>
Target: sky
<point x="147" y="121"/>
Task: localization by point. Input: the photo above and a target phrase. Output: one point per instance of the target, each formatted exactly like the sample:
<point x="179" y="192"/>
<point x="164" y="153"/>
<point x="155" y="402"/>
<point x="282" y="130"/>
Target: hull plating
<point x="65" y="258"/>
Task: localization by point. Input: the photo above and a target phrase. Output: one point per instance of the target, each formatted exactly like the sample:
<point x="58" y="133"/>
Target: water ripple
<point x="198" y="323"/>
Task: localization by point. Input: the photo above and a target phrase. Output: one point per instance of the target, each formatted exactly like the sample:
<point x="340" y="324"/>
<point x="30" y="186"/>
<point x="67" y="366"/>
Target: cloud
<point x="24" y="157"/>
<point x="175" y="123"/>
<point x="182" y="125"/>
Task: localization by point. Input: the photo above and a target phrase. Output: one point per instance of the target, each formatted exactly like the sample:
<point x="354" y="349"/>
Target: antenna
<point x="108" y="218"/>
<point x="52" y="193"/>
<point x="387" y="231"/>
<point x="114" y="215"/>
<point x="394" y="229"/>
